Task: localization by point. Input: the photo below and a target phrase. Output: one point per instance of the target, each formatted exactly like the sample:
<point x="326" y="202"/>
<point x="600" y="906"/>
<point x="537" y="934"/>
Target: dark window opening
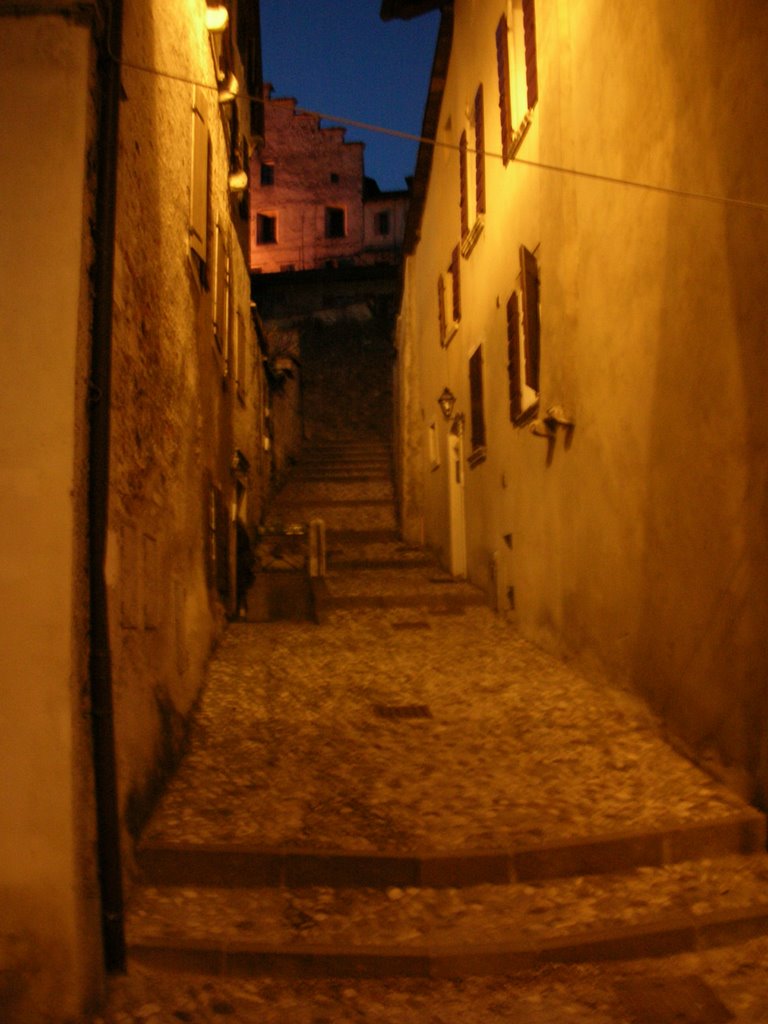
<point x="266" y="229"/>
<point x="477" y="415"/>
<point x="381" y="223"/>
<point x="335" y="222"/>
<point x="334" y="179"/>
<point x="267" y="174"/>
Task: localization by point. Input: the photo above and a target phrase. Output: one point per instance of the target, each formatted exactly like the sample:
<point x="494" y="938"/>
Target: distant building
<point x="311" y="205"/>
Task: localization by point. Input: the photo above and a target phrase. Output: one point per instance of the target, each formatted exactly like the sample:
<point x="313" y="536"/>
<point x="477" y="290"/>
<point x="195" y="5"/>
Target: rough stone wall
<point x="636" y="543"/>
<point x="179" y="413"/>
<point x="314" y="168"/>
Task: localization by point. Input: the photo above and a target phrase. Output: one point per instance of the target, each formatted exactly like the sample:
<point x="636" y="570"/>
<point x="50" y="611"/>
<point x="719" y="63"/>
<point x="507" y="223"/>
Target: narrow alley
<point x="405" y="812"/>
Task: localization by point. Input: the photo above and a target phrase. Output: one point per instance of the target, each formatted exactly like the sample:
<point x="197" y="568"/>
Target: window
<point x="513" y="357"/>
<point x="198" y="212"/>
<point x="267" y="174"/>
<point x="334" y="179"/>
<point x="454" y="271"/>
<point x="441" y="309"/>
<point x="477" y="413"/>
<point x="472" y="198"/>
<point x="529" y="275"/>
<point x="221" y="297"/>
<point x="518" y="75"/>
<point x="266" y="229"/>
<point x="449" y="283"/>
<point x="381" y="222"/>
<point x="241" y="369"/>
<point x="335" y="222"/>
<point x="479" y="153"/>
<point x="523" y="360"/>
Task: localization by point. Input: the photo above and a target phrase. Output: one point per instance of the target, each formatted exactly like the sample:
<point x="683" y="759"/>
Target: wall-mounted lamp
<point x="447" y="401"/>
<point x="238" y="181"/>
<point x="228" y="89"/>
<point x="216" y="18"/>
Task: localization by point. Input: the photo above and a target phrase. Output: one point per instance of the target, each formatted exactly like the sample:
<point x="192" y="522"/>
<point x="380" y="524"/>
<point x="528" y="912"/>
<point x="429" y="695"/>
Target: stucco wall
<point x="177" y="414"/>
<point x="637" y="545"/>
<point x="49" y="945"/>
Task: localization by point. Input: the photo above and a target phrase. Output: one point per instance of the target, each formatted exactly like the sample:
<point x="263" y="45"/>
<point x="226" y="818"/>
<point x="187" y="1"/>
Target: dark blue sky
<point x="338" y="57"/>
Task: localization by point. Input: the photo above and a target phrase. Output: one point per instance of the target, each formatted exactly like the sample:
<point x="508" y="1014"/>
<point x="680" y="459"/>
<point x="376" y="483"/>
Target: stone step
<point x="241" y="866"/>
<point x="368" y="514"/>
<point x="482" y="930"/>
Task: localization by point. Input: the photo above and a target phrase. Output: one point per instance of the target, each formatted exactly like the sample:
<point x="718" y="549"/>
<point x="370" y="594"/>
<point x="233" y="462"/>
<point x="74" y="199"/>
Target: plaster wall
<point x="635" y="545"/>
<point x="386" y="246"/>
<point x="314" y="168"/>
<point x="49" y="930"/>
<point x="181" y="403"/>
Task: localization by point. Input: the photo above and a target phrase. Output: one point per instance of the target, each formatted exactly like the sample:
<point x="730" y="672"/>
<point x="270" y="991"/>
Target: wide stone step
<point x="484" y="929"/>
<point x="238" y="865"/>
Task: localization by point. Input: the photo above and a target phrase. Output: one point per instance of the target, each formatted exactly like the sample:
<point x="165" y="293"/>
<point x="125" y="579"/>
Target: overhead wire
<point x="425" y="140"/>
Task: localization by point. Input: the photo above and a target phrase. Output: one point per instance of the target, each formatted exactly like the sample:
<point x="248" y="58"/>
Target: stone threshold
<point x="241" y="866"/>
<point x="668" y="935"/>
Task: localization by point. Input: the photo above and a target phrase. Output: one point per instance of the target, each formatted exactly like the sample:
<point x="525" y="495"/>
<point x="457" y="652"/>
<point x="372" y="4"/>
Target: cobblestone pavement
<point x="288" y="750"/>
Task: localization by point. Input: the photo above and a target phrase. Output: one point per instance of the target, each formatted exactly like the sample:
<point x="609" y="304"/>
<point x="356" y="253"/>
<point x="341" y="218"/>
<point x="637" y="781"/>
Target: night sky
<point x="338" y="57"/>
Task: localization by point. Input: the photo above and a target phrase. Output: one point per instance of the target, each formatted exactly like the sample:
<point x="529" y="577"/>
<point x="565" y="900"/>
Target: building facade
<point x="127" y="459"/>
<point x="311" y="205"/>
<point x="584" y="288"/>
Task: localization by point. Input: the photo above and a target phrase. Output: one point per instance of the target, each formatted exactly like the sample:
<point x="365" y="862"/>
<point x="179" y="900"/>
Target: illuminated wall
<point x="49" y="944"/>
<point x="634" y="543"/>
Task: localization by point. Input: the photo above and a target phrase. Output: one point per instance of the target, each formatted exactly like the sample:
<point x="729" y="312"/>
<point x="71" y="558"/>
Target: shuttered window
<point x="529" y="35"/>
<point x="518" y="77"/>
<point x="513" y="357"/>
<point x="456" y="284"/>
<point x="441" y="307"/>
<point x="198" y="212"/>
<point x="222" y="292"/>
<point x="463" y="197"/>
<point x="479" y="152"/>
<point x="477" y="414"/>
<point x="529" y="274"/>
<point x="505" y="99"/>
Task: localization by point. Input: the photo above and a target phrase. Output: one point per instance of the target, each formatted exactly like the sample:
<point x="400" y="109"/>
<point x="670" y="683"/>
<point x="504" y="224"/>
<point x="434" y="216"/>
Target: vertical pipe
<point x="100" y="669"/>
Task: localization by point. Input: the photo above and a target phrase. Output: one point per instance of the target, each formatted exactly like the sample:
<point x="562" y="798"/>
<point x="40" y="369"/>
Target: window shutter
<point x="505" y="105"/>
<point x="479" y="152"/>
<point x="513" y="357"/>
<point x="529" y="33"/>
<point x="529" y="272"/>
<point x="463" y="185"/>
<point x="221" y="303"/>
<point x="441" y="307"/>
<point x="198" y="213"/>
<point x="477" y="418"/>
<point x="456" y="284"/>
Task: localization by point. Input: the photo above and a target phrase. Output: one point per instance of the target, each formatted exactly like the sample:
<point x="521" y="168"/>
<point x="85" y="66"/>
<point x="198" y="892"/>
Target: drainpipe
<point x="100" y="669"/>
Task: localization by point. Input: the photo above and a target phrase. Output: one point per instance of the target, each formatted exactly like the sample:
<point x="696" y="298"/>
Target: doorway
<point x="456" y="510"/>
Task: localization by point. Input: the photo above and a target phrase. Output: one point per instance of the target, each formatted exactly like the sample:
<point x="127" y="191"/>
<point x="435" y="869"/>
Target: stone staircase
<point x="409" y="790"/>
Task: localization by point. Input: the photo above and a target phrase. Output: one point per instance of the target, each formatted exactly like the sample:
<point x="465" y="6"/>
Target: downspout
<point x="100" y="669"/>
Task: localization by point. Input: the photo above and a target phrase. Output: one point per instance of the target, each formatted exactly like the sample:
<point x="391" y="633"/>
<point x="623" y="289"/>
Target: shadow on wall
<point x="347" y="378"/>
<point x="701" y="652"/>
